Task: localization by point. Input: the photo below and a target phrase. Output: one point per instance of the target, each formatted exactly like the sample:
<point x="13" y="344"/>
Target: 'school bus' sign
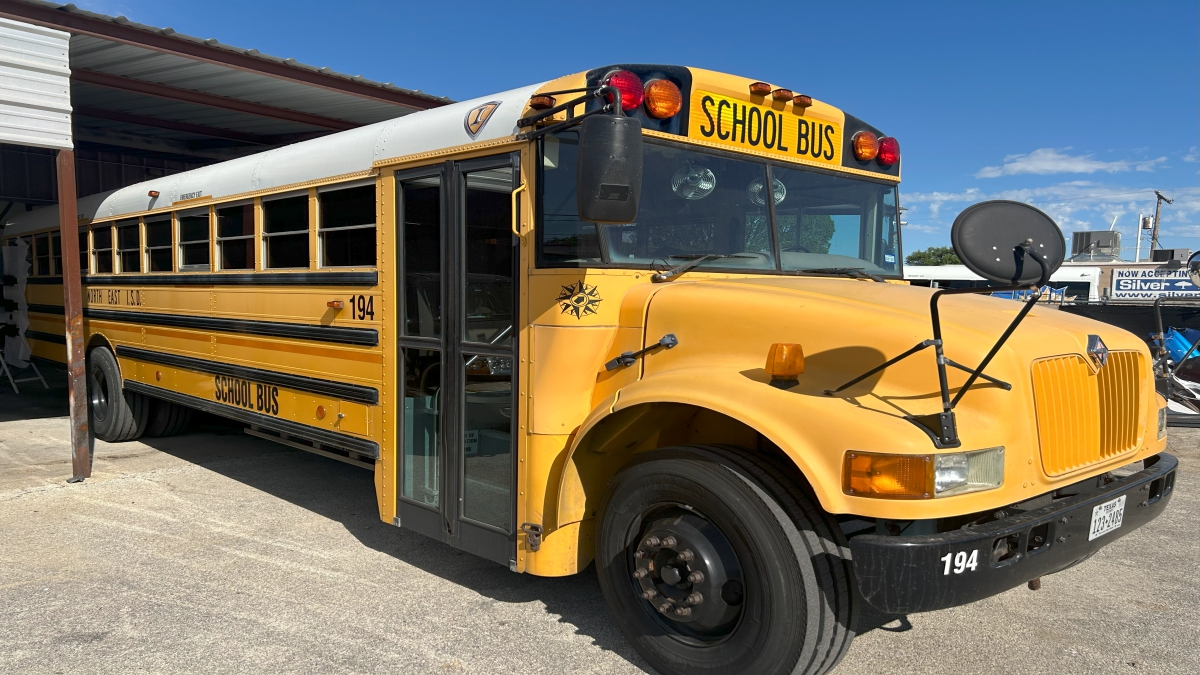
<point x="776" y="129"/>
<point x="1133" y="283"/>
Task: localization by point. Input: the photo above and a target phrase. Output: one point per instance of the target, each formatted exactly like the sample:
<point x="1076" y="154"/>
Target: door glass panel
<point x="421" y="208"/>
<point x="422" y="403"/>
<point x="488" y="246"/>
<point x="487" y="463"/>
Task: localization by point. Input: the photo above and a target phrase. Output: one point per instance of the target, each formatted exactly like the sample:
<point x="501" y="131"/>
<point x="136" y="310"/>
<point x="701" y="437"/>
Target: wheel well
<point x="615" y="440"/>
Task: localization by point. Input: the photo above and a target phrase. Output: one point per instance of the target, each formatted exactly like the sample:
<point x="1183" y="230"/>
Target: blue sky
<point x="1081" y="108"/>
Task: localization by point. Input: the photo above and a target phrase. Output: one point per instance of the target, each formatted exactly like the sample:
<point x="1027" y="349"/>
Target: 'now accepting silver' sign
<point x="1131" y="283"/>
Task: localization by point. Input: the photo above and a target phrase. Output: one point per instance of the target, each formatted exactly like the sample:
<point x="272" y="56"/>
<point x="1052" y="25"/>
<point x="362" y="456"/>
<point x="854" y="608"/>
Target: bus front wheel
<point x="714" y="561"/>
<point x="115" y="414"/>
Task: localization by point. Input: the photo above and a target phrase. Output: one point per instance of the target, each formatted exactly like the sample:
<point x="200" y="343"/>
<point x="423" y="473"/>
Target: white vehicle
<point x="1081" y="283"/>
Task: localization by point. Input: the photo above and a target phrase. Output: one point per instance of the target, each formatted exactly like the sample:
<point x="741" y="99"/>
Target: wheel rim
<point x="686" y="574"/>
<point x="98" y="394"/>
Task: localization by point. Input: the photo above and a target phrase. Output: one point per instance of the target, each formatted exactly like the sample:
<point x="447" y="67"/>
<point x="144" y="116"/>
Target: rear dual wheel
<point x="117" y="414"/>
<point x="714" y="561"/>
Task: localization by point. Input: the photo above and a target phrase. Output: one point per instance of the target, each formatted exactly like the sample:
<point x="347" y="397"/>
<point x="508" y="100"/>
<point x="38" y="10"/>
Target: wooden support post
<point x="68" y="227"/>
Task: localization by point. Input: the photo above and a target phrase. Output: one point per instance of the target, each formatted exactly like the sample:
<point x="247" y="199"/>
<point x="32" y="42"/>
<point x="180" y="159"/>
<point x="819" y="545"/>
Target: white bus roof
<point x="346" y="152"/>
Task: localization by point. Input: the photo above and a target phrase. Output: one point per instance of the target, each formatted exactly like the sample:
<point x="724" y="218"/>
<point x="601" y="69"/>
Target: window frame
<point x="95" y="252"/>
<point x="307" y="232"/>
<point x="147" y="221"/>
<point x="178" y="217"/>
<point x="137" y="248"/>
<point x="35" y="241"/>
<point x="253" y="236"/>
<point x="322" y="230"/>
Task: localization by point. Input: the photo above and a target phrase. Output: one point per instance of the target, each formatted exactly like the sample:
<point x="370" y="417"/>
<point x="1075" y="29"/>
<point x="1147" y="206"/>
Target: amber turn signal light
<point x="784" y="362"/>
<point x="802" y="100"/>
<point x="759" y="89"/>
<point x="541" y="102"/>
<point x="663" y="99"/>
<point x="870" y="474"/>
<point x="335" y="304"/>
<point x="152" y="193"/>
<point x="866" y="145"/>
<point x="782" y="94"/>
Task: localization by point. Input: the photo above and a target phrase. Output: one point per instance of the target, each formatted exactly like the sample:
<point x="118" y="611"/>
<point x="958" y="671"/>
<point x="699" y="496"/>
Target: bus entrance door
<point x="457" y="271"/>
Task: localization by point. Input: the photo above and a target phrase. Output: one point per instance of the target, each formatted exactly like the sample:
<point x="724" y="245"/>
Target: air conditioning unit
<point x="1102" y="245"/>
<point x="1169" y="254"/>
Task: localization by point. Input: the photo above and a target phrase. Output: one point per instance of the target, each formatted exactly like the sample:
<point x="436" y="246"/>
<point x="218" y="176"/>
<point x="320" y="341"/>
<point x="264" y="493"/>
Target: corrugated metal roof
<point x="35" y="102"/>
<point x="338" y="154"/>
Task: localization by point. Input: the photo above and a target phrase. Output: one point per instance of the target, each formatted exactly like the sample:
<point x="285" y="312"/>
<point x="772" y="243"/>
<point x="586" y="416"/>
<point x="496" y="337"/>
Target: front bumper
<point x="899" y="575"/>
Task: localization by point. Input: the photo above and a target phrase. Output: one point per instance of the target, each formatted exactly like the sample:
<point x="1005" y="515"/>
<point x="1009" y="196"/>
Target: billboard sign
<point x="1133" y="283"/>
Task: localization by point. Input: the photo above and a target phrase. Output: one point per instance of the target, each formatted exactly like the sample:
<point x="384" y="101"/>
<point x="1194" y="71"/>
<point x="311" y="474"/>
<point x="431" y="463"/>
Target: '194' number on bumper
<point x="960" y="562"/>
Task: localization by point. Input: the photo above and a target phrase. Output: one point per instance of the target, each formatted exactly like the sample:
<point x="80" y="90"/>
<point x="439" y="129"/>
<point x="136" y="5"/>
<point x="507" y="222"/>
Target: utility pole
<point x="1157" y="209"/>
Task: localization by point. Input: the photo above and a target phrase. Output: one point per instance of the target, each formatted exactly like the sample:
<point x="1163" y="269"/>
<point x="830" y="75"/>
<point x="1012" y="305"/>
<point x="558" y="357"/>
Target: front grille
<point x="1084" y="417"/>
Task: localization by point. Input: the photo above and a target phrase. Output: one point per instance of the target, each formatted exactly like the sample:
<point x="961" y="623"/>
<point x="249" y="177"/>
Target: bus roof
<point x="344" y="153"/>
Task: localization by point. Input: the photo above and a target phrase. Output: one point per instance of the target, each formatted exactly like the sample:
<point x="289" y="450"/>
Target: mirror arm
<point x="572" y="119"/>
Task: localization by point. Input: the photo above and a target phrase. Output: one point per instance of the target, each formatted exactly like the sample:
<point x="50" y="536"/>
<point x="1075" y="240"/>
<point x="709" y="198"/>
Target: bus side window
<point x="158" y="245"/>
<point x="41" y="248"/>
<point x="235" y="237"/>
<point x="193" y="241"/>
<point x="347" y="227"/>
<point x="102" y="249"/>
<point x="56" y="253"/>
<point x="129" y="246"/>
<point x="83" y="252"/>
<point x="285" y="232"/>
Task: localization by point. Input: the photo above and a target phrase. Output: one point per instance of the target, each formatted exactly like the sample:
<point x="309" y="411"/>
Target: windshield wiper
<point x="695" y="259"/>
<point x="853" y="272"/>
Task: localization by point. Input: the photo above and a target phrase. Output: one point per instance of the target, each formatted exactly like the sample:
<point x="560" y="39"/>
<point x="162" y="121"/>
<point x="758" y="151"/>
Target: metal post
<point x="1157" y="209"/>
<point x="68" y="227"/>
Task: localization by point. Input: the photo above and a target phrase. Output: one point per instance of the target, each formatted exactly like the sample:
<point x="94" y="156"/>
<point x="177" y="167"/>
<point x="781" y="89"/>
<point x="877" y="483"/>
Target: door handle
<point x="516" y="223"/>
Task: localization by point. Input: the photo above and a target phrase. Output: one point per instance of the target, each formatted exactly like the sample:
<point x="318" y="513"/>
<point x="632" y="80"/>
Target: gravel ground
<point x="216" y="552"/>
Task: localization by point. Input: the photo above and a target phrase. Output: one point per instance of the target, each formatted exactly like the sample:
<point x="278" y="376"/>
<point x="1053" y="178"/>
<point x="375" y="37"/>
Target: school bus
<point x="609" y="319"/>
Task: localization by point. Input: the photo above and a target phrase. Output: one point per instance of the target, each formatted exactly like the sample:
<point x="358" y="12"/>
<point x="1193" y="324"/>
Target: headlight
<point x="1162" y="423"/>
<point x="961" y="472"/>
<point x="886" y="476"/>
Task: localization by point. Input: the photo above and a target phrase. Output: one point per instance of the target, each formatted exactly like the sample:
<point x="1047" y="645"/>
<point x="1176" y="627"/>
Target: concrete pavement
<point x="217" y="552"/>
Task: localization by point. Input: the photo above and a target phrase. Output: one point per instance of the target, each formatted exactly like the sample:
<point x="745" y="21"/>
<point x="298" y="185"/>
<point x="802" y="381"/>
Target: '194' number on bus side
<point x="362" y="307"/>
<point x="961" y="561"/>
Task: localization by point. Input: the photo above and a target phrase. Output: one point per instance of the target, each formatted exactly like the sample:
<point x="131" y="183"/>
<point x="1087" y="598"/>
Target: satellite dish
<point x="1193" y="268"/>
<point x="988" y="239"/>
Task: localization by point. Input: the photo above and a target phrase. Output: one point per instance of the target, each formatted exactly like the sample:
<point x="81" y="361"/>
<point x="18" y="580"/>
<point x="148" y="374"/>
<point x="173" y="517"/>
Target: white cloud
<point x="1046" y="161"/>
<point x="1192" y="155"/>
<point x="925" y="229"/>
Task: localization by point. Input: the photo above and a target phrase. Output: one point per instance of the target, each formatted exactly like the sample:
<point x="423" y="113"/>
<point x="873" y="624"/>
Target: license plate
<point x="1107" y="517"/>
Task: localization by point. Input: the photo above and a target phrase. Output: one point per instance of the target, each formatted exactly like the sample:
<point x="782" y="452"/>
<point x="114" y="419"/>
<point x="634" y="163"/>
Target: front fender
<point x="813" y="430"/>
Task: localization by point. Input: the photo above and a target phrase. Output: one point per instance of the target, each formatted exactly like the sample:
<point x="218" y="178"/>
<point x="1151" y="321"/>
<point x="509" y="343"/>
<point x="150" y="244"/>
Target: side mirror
<point x="608" y="181"/>
<point x="1193" y="268"/>
<point x="990" y="238"/>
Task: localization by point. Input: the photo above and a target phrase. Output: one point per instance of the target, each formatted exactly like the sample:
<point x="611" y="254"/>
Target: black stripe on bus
<point x="342" y="390"/>
<point x="299" y="331"/>
<point x="47" y="309"/>
<point x="323" y="436"/>
<point x="45" y="337"/>
<point x="246" y="279"/>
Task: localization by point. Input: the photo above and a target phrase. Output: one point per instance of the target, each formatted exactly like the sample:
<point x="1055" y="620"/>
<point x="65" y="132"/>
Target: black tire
<point x="167" y="418"/>
<point x="115" y="414"/>
<point x="764" y="550"/>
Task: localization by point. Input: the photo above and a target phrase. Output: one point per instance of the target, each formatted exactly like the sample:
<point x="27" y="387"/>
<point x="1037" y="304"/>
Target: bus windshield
<point x="697" y="204"/>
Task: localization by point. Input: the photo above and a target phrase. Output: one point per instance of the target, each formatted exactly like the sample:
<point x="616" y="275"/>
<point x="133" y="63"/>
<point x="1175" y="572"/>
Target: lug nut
<point x="639" y="573"/>
<point x="696" y="577"/>
<point x="649" y="593"/>
<point x="683" y="611"/>
<point x="639" y="554"/>
<point x="695" y="599"/>
<point x="665" y="607"/>
<point x="651" y="542"/>
<point x="685" y="555"/>
<point x="669" y="542"/>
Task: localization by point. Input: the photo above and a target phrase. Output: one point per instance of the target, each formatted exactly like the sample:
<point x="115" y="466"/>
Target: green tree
<point x="934" y="255"/>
